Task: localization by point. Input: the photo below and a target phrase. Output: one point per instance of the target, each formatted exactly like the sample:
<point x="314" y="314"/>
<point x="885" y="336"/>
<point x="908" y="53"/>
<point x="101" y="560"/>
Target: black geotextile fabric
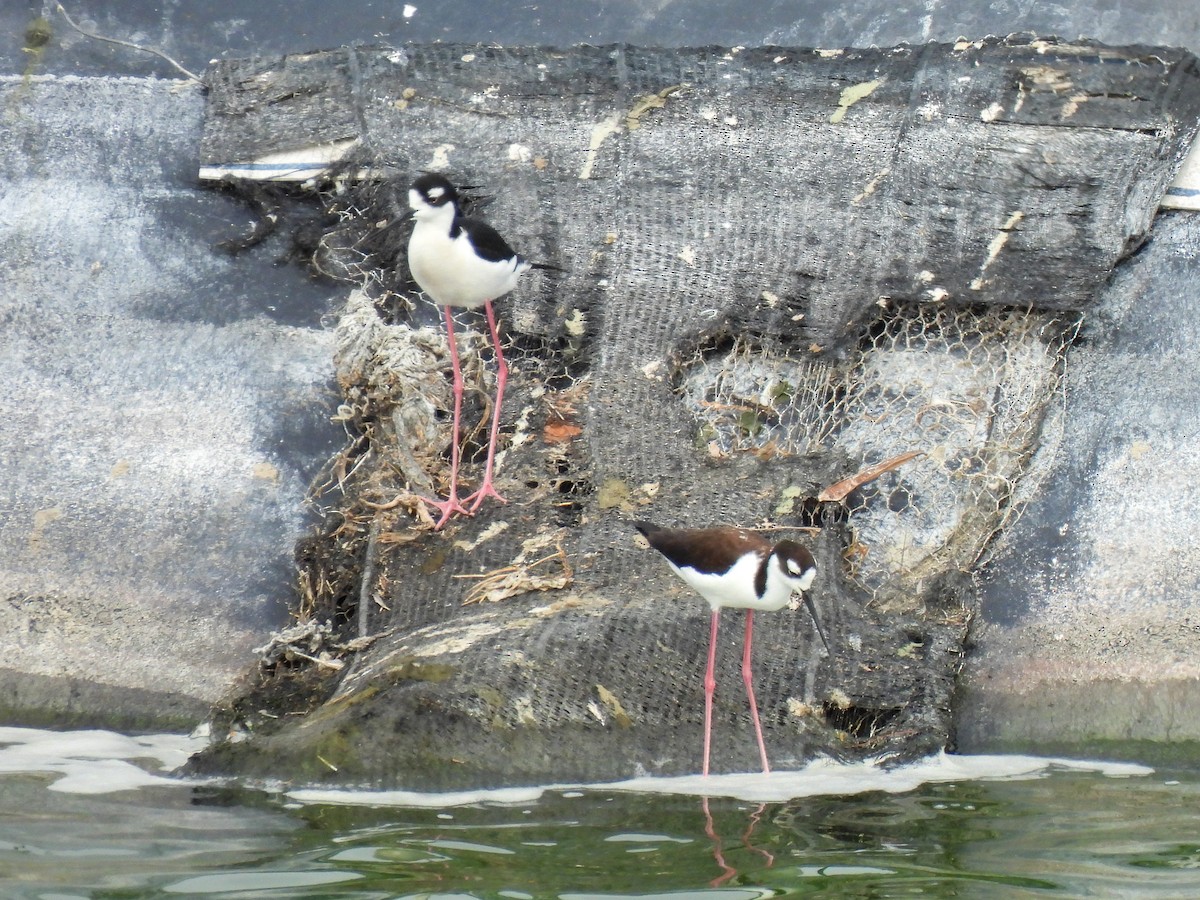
<point x="744" y="205"/>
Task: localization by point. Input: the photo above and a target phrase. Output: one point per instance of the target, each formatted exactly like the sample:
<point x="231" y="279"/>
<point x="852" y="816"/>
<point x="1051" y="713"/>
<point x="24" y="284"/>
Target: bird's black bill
<point x="812" y="611"/>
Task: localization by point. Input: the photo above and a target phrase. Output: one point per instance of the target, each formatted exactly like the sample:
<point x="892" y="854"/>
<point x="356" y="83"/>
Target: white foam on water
<point x="94" y="762"/>
<point x="820" y="778"/>
<point x="99" y="762"/>
<point x="419" y="799"/>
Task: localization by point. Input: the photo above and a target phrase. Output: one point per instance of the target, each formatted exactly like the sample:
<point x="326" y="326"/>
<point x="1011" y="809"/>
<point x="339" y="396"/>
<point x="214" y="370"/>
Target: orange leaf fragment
<point x="846" y="485"/>
<point x="559" y="432"/>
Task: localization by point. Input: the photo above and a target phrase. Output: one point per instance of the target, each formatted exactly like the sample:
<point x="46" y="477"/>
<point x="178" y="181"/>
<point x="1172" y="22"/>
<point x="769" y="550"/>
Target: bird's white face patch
<point x="436" y="193"/>
<point x="426" y="210"/>
<point x="796" y="576"/>
<point x="803" y="582"/>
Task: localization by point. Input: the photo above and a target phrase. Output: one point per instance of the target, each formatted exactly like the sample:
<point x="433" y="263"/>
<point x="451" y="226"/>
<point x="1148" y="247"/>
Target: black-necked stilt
<point x="460" y="261"/>
<point x="737" y="568"/>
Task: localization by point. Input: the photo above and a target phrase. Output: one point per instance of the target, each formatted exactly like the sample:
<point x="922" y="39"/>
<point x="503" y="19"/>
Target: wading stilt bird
<point x="460" y="261"/>
<point x="738" y="568"/>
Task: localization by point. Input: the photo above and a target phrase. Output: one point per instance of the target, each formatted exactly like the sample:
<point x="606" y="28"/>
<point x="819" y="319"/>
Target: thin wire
<point x="99" y="37"/>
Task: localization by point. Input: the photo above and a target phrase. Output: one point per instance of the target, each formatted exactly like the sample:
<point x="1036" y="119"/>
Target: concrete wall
<point x="1090" y="626"/>
<point x="165" y="406"/>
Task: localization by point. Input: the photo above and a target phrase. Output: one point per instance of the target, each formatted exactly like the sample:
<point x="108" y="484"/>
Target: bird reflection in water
<point x="718" y="850"/>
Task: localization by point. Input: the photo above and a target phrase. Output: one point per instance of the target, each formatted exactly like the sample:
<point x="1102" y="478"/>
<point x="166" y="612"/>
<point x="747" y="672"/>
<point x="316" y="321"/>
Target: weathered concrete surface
<point x="963" y="174"/>
<point x="669" y="217"/>
<point x="160" y="421"/>
<point x="1015" y="706"/>
<point x="1090" y="627"/>
<point x="230" y="29"/>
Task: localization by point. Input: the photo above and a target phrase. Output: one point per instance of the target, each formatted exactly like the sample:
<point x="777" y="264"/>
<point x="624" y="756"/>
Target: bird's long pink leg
<point x="487" y="489"/>
<point x="747" y="679"/>
<point x="710" y="685"/>
<point x="451" y="505"/>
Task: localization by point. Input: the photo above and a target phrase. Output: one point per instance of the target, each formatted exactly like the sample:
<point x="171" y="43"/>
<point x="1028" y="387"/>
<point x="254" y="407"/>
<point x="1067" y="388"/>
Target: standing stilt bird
<point x="460" y="261"/>
<point x="738" y="568"/>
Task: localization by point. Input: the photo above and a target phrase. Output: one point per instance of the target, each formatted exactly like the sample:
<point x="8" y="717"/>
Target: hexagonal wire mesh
<point x="968" y="387"/>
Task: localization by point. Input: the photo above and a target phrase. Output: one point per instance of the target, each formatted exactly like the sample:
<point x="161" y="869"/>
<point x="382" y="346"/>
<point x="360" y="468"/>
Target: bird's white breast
<point x="451" y="274"/>
<point x="735" y="586"/>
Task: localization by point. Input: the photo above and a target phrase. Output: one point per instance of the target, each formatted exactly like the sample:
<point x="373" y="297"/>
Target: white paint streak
<point x="601" y="132"/>
<point x="1072" y="105"/>
<point x="852" y="95"/>
<point x="996" y="245"/>
<point x="488" y="533"/>
<point x="456" y="640"/>
<point x="872" y="185"/>
<point x="440" y="161"/>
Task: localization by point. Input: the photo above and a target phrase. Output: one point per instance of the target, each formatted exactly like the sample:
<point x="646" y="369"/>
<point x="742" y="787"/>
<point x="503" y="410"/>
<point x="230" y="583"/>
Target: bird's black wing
<point x="484" y="238"/>
<point x="709" y="550"/>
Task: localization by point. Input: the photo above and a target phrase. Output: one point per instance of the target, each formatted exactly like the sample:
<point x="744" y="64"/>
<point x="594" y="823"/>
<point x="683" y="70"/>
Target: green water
<point x="1048" y="832"/>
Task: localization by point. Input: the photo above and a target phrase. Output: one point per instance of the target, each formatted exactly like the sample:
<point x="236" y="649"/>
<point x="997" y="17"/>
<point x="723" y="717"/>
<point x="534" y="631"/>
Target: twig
<point x="846" y="485"/>
<point x="807" y="529"/>
<point x="99" y="37"/>
<point x="326" y="762"/>
<point x="335" y="665"/>
<point x="368" y="578"/>
<point x="414" y="503"/>
<point x="402" y="497"/>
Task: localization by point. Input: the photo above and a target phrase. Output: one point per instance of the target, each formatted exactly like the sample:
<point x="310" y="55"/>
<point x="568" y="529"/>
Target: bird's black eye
<point x="436" y="195"/>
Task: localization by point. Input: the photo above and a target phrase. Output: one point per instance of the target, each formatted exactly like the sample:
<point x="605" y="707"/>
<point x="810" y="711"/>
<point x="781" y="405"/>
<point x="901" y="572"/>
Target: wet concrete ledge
<point x="47" y="701"/>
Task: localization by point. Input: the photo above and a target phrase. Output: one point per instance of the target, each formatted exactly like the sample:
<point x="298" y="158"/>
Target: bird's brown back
<point x="706" y="550"/>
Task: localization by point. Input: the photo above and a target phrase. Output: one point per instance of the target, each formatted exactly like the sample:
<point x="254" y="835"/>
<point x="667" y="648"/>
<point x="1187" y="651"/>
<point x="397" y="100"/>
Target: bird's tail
<point x="646" y="528"/>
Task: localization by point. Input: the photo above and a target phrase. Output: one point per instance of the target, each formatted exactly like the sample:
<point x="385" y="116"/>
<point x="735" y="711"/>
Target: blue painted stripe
<point x="266" y="167"/>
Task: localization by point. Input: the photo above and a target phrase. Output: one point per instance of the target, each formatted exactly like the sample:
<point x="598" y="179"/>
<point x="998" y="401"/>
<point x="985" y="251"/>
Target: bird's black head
<point x="799" y="570"/>
<point x="434" y="190"/>
<point x="797" y="564"/>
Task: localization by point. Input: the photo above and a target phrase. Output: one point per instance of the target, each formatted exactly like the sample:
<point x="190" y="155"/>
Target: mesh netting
<point x="966" y="387"/>
<point x="781" y="269"/>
